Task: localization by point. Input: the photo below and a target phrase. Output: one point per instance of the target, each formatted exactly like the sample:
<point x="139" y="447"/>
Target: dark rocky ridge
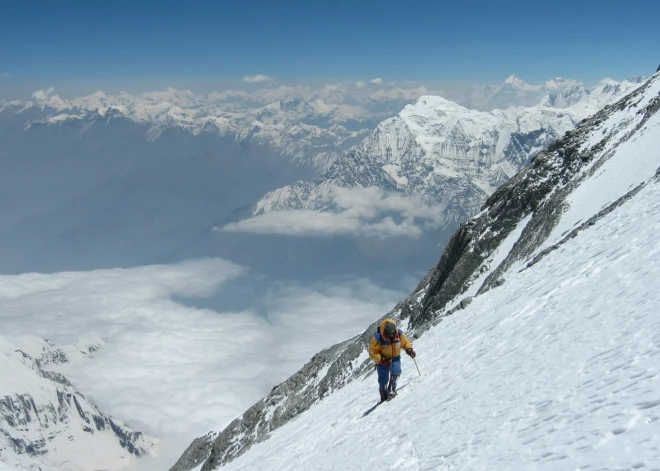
<point x="31" y="420"/>
<point x="540" y="190"/>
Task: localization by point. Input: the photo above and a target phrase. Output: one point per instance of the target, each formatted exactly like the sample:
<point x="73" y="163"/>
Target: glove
<point x="411" y="353"/>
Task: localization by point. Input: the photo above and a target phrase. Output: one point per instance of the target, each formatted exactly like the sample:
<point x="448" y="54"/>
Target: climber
<point x="385" y="349"/>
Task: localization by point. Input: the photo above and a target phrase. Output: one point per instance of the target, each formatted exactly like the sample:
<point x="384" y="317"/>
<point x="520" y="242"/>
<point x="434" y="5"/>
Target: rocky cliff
<point x="46" y="422"/>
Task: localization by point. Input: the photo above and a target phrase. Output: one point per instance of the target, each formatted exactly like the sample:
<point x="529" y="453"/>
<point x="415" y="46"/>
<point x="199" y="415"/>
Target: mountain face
<point x="445" y="152"/>
<point x="593" y="171"/>
<point x="45" y="423"/>
<point x="437" y="149"/>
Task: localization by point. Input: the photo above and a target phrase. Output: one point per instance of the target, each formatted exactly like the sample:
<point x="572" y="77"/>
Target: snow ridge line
<point x="585" y="225"/>
<point x="541" y="189"/>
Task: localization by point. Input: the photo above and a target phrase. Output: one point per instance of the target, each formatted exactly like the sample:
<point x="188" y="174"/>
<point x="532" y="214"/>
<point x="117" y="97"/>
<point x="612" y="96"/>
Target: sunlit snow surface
<point x="558" y="369"/>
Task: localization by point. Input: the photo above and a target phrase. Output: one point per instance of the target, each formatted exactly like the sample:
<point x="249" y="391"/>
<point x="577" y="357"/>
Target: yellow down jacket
<point x="380" y="347"/>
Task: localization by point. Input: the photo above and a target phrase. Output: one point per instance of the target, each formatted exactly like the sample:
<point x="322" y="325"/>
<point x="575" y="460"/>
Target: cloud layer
<point x="370" y="212"/>
<point x="173" y="370"/>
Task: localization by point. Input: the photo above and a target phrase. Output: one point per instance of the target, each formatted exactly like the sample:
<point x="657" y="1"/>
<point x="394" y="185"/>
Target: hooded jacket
<point x="380" y="347"/>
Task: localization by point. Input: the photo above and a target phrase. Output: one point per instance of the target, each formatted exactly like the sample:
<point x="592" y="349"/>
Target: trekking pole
<point x="420" y="373"/>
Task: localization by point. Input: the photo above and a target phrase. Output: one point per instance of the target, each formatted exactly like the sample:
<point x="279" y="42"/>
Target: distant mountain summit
<point x="184" y="161"/>
<point x="447" y="153"/>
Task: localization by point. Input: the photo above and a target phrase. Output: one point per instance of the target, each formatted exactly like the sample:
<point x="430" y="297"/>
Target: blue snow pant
<point x="387" y="381"/>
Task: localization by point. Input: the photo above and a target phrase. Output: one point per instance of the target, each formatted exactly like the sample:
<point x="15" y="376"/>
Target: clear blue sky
<point x="468" y="40"/>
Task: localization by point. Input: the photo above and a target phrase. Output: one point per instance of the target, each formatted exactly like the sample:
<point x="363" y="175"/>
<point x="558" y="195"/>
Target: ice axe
<point x="416" y="366"/>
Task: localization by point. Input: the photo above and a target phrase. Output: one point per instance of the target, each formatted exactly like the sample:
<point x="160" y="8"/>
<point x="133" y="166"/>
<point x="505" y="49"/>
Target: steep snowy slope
<point x="46" y="424"/>
<point x="555" y="370"/>
<point x="569" y="245"/>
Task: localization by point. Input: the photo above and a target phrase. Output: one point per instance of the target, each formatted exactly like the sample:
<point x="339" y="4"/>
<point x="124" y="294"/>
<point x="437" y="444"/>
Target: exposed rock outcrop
<point x="44" y="419"/>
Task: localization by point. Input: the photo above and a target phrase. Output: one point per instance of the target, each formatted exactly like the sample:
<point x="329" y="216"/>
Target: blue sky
<point x="469" y="40"/>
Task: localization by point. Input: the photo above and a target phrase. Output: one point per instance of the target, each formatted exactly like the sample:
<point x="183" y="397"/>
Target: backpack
<point x="378" y="337"/>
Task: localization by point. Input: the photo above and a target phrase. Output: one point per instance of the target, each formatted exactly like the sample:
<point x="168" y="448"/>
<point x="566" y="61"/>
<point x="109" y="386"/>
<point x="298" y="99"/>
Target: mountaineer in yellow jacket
<point x="385" y="349"/>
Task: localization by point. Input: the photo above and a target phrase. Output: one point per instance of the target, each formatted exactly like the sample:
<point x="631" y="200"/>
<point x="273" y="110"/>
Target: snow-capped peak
<point x="448" y="154"/>
<point x="517" y="82"/>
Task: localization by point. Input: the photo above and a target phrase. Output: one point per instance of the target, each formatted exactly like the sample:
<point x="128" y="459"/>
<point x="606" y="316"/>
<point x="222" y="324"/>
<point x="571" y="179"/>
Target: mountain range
<point x="310" y="125"/>
<point x="182" y="162"/>
<point x="153" y="153"/>
<point x="441" y="151"/>
<point x="537" y="322"/>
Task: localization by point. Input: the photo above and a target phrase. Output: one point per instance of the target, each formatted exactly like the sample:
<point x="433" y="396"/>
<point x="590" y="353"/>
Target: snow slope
<point x="558" y="369"/>
<point x="46" y="424"/>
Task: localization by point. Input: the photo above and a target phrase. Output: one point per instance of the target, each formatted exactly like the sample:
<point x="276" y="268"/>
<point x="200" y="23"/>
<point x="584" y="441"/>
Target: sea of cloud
<point x="370" y="212"/>
<point x="175" y="370"/>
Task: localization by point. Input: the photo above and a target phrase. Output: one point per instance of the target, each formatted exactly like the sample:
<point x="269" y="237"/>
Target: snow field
<point x="635" y="161"/>
<point x="63" y="438"/>
<point x="558" y="369"/>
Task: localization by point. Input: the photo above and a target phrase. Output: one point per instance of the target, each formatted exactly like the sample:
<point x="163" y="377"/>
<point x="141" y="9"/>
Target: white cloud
<point x="43" y="94"/>
<point x="256" y="78"/>
<point x="377" y="81"/>
<point x="360" y="84"/>
<point x="369" y="212"/>
<point x="176" y="371"/>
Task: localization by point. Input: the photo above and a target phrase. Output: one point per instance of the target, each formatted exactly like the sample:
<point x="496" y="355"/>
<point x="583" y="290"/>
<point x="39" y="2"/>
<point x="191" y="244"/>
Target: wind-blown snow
<point x="558" y="369"/>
